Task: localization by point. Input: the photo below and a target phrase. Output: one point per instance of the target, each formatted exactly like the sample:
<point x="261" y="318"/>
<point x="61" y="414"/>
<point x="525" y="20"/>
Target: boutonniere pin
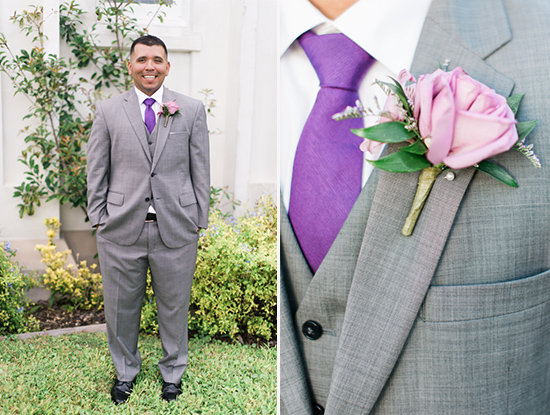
<point x="168" y="109"/>
<point x="447" y="120"/>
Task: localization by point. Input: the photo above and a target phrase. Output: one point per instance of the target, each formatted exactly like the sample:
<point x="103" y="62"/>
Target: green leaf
<point x="387" y="132"/>
<point x="524" y="128"/>
<point x="497" y="172"/>
<point x="397" y="89"/>
<point x="514" y="101"/>
<point x="418" y="147"/>
<point x="401" y="162"/>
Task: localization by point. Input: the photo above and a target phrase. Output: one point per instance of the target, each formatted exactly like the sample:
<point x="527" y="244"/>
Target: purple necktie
<point x="326" y="177"/>
<point x="150" y="118"/>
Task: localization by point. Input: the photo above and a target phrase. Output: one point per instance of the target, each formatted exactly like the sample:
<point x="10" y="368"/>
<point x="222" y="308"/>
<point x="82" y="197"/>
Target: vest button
<point x="312" y="330"/>
<point x="150" y="142"/>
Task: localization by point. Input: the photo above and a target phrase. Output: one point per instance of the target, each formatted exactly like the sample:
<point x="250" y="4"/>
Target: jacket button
<point x="312" y="330"/>
<point x="318" y="409"/>
<point x="153" y="174"/>
<point x="147" y="199"/>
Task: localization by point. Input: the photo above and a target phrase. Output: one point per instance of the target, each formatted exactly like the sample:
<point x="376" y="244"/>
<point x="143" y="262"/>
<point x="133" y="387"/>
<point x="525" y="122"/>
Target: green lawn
<point x="73" y="374"/>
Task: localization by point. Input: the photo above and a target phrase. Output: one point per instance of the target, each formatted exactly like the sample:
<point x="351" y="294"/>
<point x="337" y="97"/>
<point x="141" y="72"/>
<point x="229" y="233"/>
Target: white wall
<point x="225" y="45"/>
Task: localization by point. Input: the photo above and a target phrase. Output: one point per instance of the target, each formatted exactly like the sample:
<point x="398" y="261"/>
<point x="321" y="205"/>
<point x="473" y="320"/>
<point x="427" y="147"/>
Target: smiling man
<point x="148" y="197"/>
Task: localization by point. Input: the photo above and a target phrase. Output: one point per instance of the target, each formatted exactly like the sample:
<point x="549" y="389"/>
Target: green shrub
<point x="149" y="318"/>
<point x="235" y="286"/>
<point x="79" y="287"/>
<point x="13" y="303"/>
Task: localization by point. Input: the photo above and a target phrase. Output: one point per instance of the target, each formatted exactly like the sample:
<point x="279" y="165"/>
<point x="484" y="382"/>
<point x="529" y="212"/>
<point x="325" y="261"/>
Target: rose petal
<point x="370" y="146"/>
<point x="423" y="100"/>
<point x="392" y="107"/>
<point x="466" y="93"/>
<point x="497" y="146"/>
<point x="443" y="120"/>
<point x="488" y="102"/>
<point x="404" y="77"/>
<point x="473" y="130"/>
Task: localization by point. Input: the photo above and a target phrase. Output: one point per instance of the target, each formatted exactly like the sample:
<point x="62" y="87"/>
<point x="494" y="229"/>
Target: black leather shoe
<point x="121" y="391"/>
<point x="170" y="391"/>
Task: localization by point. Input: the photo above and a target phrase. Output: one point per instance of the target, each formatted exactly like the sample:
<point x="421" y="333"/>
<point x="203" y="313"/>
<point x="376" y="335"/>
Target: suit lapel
<point x="163" y="132"/>
<point x="449" y="34"/>
<point x="394" y="272"/>
<point x="131" y="108"/>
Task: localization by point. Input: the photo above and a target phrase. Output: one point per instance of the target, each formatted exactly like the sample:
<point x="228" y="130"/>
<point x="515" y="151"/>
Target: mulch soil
<point x="57" y="317"/>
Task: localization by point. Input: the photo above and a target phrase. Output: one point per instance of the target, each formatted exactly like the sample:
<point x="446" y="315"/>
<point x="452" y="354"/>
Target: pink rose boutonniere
<point x="168" y="109"/>
<point x="448" y="121"/>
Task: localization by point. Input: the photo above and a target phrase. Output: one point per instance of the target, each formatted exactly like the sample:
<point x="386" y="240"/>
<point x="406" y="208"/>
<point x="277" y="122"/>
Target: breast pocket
<point x="177" y="143"/>
<point x="477" y="301"/>
<point x="484" y="344"/>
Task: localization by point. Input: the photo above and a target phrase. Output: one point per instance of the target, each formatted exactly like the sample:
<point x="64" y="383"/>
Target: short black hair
<point x="148" y="40"/>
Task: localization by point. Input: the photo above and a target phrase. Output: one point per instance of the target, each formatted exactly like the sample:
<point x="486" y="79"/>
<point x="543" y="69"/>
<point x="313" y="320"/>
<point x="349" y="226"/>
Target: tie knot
<point x="338" y="61"/>
<point x="148" y="101"/>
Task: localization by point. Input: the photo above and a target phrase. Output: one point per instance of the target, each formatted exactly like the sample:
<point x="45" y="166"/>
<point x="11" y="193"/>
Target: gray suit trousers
<point x="124" y="270"/>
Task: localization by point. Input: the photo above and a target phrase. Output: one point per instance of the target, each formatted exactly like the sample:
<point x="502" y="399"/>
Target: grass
<point x="73" y="374"/>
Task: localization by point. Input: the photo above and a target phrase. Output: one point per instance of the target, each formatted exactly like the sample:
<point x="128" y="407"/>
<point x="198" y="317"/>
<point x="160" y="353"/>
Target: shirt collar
<point x="389" y="30"/>
<point x="157" y="96"/>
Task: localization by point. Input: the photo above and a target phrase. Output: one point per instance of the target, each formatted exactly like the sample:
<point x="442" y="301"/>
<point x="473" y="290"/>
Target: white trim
<point x="245" y="120"/>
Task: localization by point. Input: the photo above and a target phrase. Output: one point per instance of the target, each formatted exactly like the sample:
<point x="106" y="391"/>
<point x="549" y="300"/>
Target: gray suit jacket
<point x="456" y="318"/>
<point x="123" y="178"/>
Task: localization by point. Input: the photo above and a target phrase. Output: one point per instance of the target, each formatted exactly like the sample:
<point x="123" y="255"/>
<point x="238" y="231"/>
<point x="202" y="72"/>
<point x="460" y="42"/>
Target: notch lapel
<point x="162" y="131"/>
<point x="394" y="272"/>
<point x="131" y="108"/>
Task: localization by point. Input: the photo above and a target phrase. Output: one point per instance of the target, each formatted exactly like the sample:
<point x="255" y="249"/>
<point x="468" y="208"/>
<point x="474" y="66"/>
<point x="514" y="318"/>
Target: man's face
<point x="148" y="66"/>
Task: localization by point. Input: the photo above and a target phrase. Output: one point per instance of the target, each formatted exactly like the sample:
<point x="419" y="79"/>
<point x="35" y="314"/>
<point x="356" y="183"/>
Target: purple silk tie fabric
<point x="326" y="177"/>
<point x="150" y="118"/>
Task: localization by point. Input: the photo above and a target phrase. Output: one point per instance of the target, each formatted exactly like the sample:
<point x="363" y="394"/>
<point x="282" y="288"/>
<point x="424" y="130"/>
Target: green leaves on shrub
<point x="80" y="286"/>
<point x="149" y="316"/>
<point x="235" y="286"/>
<point x="13" y="303"/>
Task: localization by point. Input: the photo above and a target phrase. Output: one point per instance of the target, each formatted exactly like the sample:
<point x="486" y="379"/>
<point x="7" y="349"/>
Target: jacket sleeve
<point x="98" y="155"/>
<point x="199" y="156"/>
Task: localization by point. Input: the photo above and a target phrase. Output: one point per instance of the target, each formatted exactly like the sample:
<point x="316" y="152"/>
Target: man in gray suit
<point x="454" y="319"/>
<point x="148" y="196"/>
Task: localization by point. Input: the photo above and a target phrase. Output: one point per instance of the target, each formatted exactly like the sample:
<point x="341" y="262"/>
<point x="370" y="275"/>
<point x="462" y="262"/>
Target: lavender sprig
<point x="527" y="151"/>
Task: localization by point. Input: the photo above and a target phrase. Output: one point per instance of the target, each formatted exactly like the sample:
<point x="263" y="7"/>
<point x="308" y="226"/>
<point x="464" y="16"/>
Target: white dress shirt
<point x="157" y="96"/>
<point x="388" y="30"/>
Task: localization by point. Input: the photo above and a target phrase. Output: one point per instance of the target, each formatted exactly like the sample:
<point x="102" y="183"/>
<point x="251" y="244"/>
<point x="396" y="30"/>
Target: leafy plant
<point x="79" y="287"/>
<point x="149" y="316"/>
<point x="234" y="290"/>
<point x="61" y="105"/>
<point x="217" y="196"/>
<point x="13" y="303"/>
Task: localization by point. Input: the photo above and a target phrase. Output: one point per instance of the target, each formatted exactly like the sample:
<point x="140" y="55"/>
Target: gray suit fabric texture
<point x="454" y="319"/>
<point x="128" y="171"/>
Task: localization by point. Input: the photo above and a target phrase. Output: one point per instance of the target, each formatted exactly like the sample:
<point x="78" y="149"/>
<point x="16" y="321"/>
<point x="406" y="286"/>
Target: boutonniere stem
<point x="426" y="181"/>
